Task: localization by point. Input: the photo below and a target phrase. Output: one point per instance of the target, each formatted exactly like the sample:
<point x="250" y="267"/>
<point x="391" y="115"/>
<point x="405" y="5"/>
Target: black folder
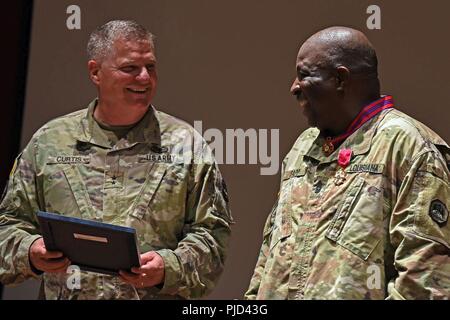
<point x="91" y="245"/>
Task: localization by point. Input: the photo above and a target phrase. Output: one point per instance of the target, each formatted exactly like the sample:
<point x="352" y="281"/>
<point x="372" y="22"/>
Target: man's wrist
<point x="32" y="267"/>
<point x="172" y="272"/>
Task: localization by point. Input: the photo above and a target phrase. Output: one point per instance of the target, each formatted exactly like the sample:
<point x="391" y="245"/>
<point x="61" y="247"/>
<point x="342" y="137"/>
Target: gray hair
<point x="101" y="40"/>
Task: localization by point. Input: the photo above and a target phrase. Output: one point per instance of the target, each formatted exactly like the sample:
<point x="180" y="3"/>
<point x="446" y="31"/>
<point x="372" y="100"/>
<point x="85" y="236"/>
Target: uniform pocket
<point x="168" y="204"/>
<point x="277" y="238"/>
<point x="65" y="192"/>
<point x="358" y="222"/>
<point x="282" y="221"/>
<point x="148" y="190"/>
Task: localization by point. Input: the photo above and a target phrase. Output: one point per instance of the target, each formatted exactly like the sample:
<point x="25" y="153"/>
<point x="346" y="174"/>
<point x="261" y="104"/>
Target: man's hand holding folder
<point x="149" y="274"/>
<point x="47" y="261"/>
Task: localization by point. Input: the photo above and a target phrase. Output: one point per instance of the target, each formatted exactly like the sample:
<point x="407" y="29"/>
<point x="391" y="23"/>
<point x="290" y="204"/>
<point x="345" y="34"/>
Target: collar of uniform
<point x="359" y="141"/>
<point x="146" y="130"/>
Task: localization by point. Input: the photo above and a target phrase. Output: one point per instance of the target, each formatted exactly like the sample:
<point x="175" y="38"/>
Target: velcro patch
<point x="159" y="157"/>
<point x="365" y="167"/>
<point x="64" y="159"/>
<point x="438" y="212"/>
<point x="294" y="173"/>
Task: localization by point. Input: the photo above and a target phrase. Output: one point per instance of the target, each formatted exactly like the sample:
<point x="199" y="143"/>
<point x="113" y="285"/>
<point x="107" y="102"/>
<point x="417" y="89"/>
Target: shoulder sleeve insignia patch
<point x="438" y="212"/>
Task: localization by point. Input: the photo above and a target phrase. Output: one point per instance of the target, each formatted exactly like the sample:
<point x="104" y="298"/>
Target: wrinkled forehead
<point x="313" y="55"/>
<point x="124" y="47"/>
<point x="122" y="44"/>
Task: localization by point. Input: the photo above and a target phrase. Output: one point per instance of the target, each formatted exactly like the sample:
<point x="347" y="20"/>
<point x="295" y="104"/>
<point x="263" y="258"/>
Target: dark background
<point x="16" y="23"/>
<point x="227" y="63"/>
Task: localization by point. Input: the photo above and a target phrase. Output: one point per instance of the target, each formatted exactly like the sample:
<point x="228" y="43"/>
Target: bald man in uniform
<point x="362" y="211"/>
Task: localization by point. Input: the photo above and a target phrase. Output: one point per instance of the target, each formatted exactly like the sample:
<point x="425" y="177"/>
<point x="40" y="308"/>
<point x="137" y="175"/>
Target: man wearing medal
<point x="362" y="211"/>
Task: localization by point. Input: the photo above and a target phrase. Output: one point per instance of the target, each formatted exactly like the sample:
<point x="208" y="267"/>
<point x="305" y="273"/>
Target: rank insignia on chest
<point x="339" y="177"/>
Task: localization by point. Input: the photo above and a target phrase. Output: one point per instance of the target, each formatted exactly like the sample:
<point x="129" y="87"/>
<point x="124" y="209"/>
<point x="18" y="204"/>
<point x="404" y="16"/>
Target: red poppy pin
<point x="344" y="157"/>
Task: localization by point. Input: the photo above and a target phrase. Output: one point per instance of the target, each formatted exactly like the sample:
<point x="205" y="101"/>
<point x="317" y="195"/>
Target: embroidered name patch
<point x="294" y="173"/>
<point x="165" y="158"/>
<point x="62" y="159"/>
<point x="365" y="167"/>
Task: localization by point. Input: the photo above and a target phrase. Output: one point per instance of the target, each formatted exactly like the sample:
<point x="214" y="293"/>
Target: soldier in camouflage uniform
<point x="362" y="211"/>
<point x="119" y="161"/>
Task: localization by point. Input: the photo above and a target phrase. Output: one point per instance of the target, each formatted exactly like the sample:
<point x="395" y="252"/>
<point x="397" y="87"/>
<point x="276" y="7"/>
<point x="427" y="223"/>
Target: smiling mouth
<point x="139" y="91"/>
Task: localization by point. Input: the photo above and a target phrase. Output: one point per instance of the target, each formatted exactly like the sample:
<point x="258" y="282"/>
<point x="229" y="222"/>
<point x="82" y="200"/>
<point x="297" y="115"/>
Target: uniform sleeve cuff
<point x="23" y="259"/>
<point x="172" y="272"/>
<point x="393" y="293"/>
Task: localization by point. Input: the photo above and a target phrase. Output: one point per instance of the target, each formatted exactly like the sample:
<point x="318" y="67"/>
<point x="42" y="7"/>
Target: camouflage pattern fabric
<point x="160" y="179"/>
<point x="380" y="232"/>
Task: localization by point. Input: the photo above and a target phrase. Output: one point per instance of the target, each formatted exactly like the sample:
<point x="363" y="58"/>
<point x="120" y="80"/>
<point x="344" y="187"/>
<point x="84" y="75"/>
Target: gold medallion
<point x="328" y="147"/>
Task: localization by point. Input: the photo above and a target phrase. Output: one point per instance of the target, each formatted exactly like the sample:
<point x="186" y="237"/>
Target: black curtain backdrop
<point x="15" y="22"/>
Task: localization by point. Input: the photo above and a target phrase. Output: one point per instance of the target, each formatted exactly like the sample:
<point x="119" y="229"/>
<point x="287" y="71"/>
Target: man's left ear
<point x="342" y="77"/>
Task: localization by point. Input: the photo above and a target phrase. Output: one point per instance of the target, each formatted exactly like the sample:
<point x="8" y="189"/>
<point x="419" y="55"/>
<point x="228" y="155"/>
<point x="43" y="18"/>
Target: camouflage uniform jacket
<point x="380" y="233"/>
<point x="173" y="195"/>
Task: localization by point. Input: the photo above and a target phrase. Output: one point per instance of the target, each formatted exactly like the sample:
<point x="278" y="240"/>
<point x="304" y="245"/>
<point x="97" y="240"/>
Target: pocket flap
<point x="148" y="190"/>
<point x="344" y="210"/>
<point x="79" y="191"/>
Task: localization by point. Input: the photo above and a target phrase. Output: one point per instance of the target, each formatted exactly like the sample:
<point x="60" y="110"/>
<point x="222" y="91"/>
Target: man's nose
<point x="295" y="87"/>
<point x="143" y="75"/>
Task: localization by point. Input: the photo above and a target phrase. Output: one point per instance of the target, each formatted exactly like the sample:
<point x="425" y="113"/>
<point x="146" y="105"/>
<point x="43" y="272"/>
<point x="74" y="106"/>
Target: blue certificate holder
<point x="91" y="245"/>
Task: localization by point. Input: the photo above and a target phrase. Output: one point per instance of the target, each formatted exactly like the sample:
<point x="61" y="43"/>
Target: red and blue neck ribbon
<point x="367" y="113"/>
